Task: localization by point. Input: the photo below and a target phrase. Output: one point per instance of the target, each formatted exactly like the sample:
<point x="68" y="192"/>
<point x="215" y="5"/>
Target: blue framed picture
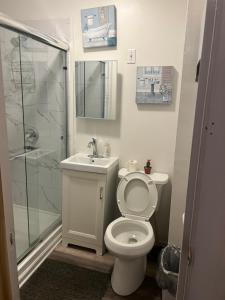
<point x="154" y="84"/>
<point x="99" y="26"/>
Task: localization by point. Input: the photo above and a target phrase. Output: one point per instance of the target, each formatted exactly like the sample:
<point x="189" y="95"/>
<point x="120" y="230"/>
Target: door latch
<point x="11" y="238"/>
<point x="189" y="257"/>
<point x="101" y="193"/>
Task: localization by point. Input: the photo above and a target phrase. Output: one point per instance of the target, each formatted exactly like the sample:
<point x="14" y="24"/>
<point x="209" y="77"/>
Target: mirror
<point x="96" y="88"/>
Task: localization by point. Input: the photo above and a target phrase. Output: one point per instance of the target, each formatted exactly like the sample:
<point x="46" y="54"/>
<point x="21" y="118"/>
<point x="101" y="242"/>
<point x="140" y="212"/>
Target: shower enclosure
<point x="34" y="84"/>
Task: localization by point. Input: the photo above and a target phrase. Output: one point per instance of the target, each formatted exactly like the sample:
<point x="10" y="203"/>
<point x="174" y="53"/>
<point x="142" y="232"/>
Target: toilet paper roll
<point x="132" y="165"/>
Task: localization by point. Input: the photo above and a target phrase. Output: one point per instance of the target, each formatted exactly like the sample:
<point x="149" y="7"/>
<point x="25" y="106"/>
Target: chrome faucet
<point x="93" y="143"/>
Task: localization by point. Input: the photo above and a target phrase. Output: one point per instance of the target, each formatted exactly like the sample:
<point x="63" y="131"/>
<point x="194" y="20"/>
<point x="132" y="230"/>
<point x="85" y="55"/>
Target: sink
<point x="82" y="162"/>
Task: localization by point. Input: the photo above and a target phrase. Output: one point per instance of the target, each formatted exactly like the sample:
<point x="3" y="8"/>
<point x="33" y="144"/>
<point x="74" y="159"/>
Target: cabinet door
<point x="83" y="206"/>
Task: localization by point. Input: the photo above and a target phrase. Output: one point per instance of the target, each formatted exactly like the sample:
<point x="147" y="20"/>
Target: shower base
<point x="45" y="220"/>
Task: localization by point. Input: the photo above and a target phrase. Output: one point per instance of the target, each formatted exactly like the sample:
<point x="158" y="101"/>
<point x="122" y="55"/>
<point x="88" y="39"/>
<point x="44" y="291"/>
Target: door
<point x="83" y="201"/>
<point x="44" y="117"/>
<point x="14" y="115"/>
<point x="8" y="272"/>
<point x="35" y="102"/>
<point x="202" y="271"/>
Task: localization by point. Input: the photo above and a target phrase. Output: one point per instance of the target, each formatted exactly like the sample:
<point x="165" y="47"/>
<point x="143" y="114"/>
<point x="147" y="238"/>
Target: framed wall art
<point x="99" y="26"/>
<point x="154" y="84"/>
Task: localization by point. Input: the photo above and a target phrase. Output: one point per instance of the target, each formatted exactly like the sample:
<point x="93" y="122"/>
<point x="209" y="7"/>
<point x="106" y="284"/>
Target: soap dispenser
<point x="107" y="150"/>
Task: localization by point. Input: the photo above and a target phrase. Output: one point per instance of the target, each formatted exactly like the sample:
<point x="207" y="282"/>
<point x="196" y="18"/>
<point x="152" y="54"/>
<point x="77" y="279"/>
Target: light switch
<point x="131" y="59"/>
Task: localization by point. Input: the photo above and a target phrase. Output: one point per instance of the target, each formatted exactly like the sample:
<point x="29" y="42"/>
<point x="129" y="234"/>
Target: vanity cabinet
<point x="88" y="207"/>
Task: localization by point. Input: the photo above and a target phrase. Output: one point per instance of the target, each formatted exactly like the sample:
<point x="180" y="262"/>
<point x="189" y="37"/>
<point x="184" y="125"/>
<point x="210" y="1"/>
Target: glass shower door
<point x="35" y="99"/>
<point x="43" y="84"/>
<point x="10" y="58"/>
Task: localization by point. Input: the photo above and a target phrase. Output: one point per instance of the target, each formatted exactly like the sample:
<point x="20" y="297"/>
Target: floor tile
<point x="147" y="291"/>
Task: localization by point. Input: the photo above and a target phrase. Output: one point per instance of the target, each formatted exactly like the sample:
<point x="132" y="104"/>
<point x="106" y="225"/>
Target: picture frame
<point x="154" y="84"/>
<point x="99" y="27"/>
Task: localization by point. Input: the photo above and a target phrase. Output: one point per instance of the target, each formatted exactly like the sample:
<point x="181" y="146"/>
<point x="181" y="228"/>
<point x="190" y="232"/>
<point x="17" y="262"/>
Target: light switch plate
<point x="131" y="58"/>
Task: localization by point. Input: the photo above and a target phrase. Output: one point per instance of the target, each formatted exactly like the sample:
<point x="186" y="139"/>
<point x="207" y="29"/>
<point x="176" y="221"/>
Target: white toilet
<point x="130" y="237"/>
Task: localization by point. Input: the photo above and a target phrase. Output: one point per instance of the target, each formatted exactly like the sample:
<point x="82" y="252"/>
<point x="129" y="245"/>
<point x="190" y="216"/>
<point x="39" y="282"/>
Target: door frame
<point x="205" y="134"/>
<point x="6" y="205"/>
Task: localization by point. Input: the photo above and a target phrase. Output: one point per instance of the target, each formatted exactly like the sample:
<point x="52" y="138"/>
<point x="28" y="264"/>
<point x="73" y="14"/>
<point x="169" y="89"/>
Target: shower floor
<point x="44" y="220"/>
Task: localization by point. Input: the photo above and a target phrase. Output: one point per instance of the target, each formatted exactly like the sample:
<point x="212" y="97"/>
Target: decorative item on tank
<point x="99" y="26"/>
<point x="132" y="165"/>
<point x="148" y="167"/>
<point x="154" y="85"/>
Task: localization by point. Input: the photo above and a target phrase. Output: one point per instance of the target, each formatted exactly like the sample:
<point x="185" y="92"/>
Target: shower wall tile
<point x="55" y="64"/>
<point x="32" y="193"/>
<point x="49" y="199"/>
<point x="14" y="118"/>
<point x="12" y="89"/>
<point x="18" y="169"/>
<point x="56" y="96"/>
<point x="19" y="195"/>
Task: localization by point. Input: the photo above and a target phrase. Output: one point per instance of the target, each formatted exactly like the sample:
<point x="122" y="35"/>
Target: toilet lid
<point x="137" y="196"/>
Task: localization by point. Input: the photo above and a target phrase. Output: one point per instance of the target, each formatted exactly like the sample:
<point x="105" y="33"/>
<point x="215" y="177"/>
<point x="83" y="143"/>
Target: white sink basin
<point x="82" y="162"/>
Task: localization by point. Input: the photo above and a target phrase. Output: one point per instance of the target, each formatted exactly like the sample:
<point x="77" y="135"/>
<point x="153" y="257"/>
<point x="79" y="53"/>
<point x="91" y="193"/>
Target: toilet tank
<point x="160" y="179"/>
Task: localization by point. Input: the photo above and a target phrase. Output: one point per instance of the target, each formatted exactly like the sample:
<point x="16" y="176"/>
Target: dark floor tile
<point x="147" y="291"/>
<point x="153" y="260"/>
<point x="56" y="280"/>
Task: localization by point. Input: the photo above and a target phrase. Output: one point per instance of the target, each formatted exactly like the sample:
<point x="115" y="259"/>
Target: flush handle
<point x="101" y="193"/>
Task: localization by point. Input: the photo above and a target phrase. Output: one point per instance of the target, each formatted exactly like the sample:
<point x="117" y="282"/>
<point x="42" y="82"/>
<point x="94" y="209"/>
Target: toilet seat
<point x="137" y="196"/>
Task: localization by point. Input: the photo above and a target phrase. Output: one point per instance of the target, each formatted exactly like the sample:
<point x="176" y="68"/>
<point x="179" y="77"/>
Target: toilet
<point x="130" y="237"/>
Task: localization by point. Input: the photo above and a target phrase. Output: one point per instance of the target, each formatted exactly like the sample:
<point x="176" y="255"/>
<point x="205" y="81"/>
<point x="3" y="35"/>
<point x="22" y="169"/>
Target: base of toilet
<point x="128" y="275"/>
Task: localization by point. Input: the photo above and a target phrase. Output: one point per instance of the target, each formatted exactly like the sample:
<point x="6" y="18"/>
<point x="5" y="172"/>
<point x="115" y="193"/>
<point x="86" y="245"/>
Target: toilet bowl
<point x="130" y="237"/>
<point x="129" y="241"/>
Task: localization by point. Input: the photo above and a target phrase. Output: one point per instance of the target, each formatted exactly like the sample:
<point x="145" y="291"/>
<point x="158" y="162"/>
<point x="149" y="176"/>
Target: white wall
<point x="193" y="45"/>
<point x="156" y="30"/>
